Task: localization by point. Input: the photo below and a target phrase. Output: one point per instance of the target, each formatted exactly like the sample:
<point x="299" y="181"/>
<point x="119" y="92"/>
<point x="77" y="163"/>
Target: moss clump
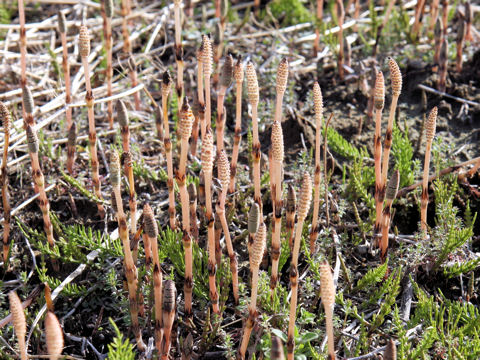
<point x="290" y="12"/>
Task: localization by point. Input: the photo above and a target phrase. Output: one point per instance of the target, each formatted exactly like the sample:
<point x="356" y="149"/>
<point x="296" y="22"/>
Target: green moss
<point x="290" y="12"/>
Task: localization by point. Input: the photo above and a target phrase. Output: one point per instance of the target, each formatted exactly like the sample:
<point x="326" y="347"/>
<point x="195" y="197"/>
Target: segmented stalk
<point x="19" y="322"/>
<point x="185" y="129"/>
<point x="253" y="224"/>
<point x="290" y="214"/>
<point x="207" y="167"/>
<point x="207" y="59"/>
<point x="6" y="120"/>
<point x="277" y="162"/>
<point x="318" y="107"/>
<point x="151" y="232"/>
<point x="328" y="300"/>
<point x="130" y="269"/>
<point x="303" y="208"/>
<point x="341" y="17"/>
<point x="178" y="52"/>
<point x="200" y="91"/>
<point x="166" y="87"/>
<point x="317" y="31"/>
<point x="169" y="306"/>
<point x="192" y="195"/>
<point x="378" y="101"/>
<point x="390" y="195"/>
<point x="238" y="75"/>
<point x="224" y="177"/>
<point x="433" y="14"/>
<point x="109" y="12"/>
<point x="122" y="116"/>
<point x="71" y="143"/>
<point x="418" y="15"/>
<point x="396" y="78"/>
<point x="23" y="48"/>
<point x="39" y="182"/>
<point x="225" y="82"/>
<point x="468" y="21"/>
<point x="430" y="134"/>
<point x="443" y="66"/>
<point x="62" y="28"/>
<point x="28" y="106"/>
<point x="253" y="97"/>
<point x="84" y="45"/>
<point x="256" y="255"/>
<point x="437" y="33"/>
<point x="53" y="336"/>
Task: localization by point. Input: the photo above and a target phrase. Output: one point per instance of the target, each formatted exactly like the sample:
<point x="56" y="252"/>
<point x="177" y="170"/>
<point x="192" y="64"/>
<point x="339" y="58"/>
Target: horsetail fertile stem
<point x="277" y="349"/>
<point x="396" y="78"/>
<point x="253" y="97"/>
<point x="224" y="176"/>
<point x="378" y="101"/>
<point x="28" y="106"/>
<point x="445" y="17"/>
<point x="122" y="116"/>
<point x="39" y="182"/>
<point x="468" y="21"/>
<point x="23" y="46"/>
<point x="256" y="255"/>
<point x="166" y="87"/>
<point x="185" y="127"/>
<point x="303" y="207"/>
<point x="62" y="28"/>
<point x="200" y="91"/>
<point x="178" y="52"/>
<point x="151" y="232"/>
<point x="443" y="66"/>
<point x="437" y="33"/>
<point x="433" y="14"/>
<point x="418" y="15"/>
<point x="207" y="167"/>
<point x="53" y="336"/>
<point x="84" y="45"/>
<point x="19" y="322"/>
<point x="109" y="10"/>
<point x="390" y="352"/>
<point x="168" y="313"/>
<point x="218" y="234"/>
<point x="281" y="87"/>
<point x="48" y="297"/>
<point x="225" y="82"/>
<point x="253" y="224"/>
<point x="390" y="195"/>
<point x="6" y="120"/>
<point x="460" y="38"/>
<point x="340" y="17"/>
<point x="238" y="75"/>
<point x="290" y="214"/>
<point x="318" y="107"/>
<point x="127" y="47"/>
<point x="192" y="195"/>
<point x="277" y="157"/>
<point x="207" y="59"/>
<point x="130" y="269"/>
<point x="132" y="66"/>
<point x="71" y="143"/>
<point x="317" y="31"/>
<point x="328" y="300"/>
<point x="430" y="134"/>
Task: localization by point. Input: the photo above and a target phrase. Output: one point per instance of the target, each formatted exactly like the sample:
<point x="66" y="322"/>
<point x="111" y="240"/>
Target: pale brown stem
<point x="316" y="198"/>
<point x="211" y="243"/>
<point x="330" y="336"/>
<point x="5" y="198"/>
<point x="66" y="73"/>
<point x="341" y="13"/>
<point x="220" y="118"/>
<point x="277" y="225"/>
<point x="385" y="229"/>
<point x="228" y="241"/>
<point x="424" y="204"/>
<point x="317" y="31"/>
<point x="194" y="141"/>
<point x="445" y="17"/>
<point x="238" y="137"/>
<point x="325" y="174"/>
<point x="294" y="287"/>
<point x="201" y="98"/>
<point x="168" y="152"/>
<point x="23" y="45"/>
<point x="187" y="242"/>
<point x="157" y="289"/>
<point x="178" y="54"/>
<point x="387" y="145"/>
<point x="378" y="170"/>
<point x="147" y="246"/>
<point x="108" y="48"/>
<point x="136" y="95"/>
<point x="433" y="14"/>
<point x="256" y="156"/>
<point x="132" y="199"/>
<point x="92" y="137"/>
<point x="208" y="104"/>
<point x="127" y="47"/>
<point x="252" y="310"/>
<point x="130" y="269"/>
<point x="418" y="15"/>
<point x="218" y="234"/>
